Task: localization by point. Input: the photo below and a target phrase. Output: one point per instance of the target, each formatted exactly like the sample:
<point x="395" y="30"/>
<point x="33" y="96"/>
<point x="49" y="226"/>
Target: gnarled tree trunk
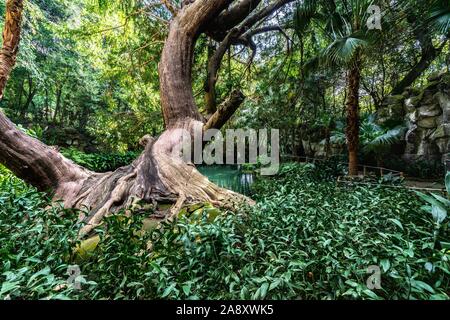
<point x="157" y="176"/>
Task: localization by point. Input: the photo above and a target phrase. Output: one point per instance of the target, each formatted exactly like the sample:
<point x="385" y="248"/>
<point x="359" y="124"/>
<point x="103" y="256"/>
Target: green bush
<point x="307" y="238"/>
<point x="100" y="162"/>
<point x="422" y="169"/>
<point x="36" y="243"/>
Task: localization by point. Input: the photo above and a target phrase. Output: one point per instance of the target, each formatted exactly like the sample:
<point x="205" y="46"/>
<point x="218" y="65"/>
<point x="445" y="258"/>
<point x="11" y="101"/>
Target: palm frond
<point x="386" y="139"/>
<point x="303" y="15"/>
<point x="338" y="138"/>
<point x="440" y="16"/>
<point x="342" y="50"/>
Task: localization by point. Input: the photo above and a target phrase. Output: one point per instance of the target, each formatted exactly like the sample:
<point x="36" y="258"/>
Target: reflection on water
<point x="229" y="177"/>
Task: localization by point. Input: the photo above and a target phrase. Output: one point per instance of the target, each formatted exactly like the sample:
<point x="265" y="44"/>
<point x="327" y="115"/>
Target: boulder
<point x="443" y="144"/>
<point x="427" y="123"/>
<point x="431" y="110"/>
<point x="426" y="112"/>
<point x="444" y="103"/>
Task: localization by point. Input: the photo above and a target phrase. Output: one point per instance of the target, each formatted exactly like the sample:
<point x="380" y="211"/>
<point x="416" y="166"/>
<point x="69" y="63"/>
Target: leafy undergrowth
<point x="307" y="238"/>
<point x="100" y="162"/>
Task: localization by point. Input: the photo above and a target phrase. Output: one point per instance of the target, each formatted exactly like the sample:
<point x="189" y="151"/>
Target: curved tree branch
<point x="230" y="18"/>
<point x="225" y="111"/>
<point x="175" y="68"/>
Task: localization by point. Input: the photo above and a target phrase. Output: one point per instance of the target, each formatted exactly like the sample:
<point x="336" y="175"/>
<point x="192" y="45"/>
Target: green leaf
<point x="263" y="289"/>
<point x="385" y="264"/>
<point x="445" y="245"/>
<point x="168" y="290"/>
<point x="439" y="213"/>
<point x="397" y="222"/>
<point x="442" y="200"/>
<point x="427" y="198"/>
<point x="187" y="289"/>
<point x="8" y="286"/>
<point x="447" y="183"/>
<point x="422" y="285"/>
<point x="371" y="294"/>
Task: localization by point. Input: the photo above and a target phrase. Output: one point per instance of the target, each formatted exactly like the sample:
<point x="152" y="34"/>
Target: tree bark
<point x="352" y="106"/>
<point x="31" y="93"/>
<point x="177" y="98"/>
<point x="11" y="39"/>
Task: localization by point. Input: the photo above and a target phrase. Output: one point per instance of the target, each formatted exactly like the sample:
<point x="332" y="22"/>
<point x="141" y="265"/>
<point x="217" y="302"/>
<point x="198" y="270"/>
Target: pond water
<point x="229" y="177"/>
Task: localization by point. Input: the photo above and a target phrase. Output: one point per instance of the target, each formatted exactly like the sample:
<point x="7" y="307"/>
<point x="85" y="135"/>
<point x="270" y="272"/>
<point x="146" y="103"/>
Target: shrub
<point x="100" y="162"/>
<point x="36" y="243"/>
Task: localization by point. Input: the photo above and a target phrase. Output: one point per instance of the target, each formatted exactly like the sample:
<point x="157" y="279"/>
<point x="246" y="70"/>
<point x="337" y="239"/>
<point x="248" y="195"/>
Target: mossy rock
<point x="427" y="123"/>
<point x="196" y="211"/>
<point x="150" y="224"/>
<point x="86" y="248"/>
<point x="415" y="101"/>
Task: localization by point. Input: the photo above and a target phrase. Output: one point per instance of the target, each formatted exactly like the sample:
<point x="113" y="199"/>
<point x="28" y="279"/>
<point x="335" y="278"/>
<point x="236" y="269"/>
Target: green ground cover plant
<point x="307" y="238"/>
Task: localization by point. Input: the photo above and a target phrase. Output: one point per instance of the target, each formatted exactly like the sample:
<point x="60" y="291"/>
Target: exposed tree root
<point x="156" y="177"/>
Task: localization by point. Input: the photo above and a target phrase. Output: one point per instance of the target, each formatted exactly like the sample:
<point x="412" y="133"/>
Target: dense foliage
<point x="308" y="238"/>
<point x="92" y="65"/>
<point x="100" y="162"/>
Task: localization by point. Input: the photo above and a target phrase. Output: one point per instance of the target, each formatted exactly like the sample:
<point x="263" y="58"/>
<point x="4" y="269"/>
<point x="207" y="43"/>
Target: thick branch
<point x="225" y="111"/>
<point x="175" y="68"/>
<point x="230" y="18"/>
<point x="263" y="13"/>
<point x="213" y="69"/>
<point x="429" y="54"/>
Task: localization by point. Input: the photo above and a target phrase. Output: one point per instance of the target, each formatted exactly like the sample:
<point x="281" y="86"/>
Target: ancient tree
<point x="157" y="176"/>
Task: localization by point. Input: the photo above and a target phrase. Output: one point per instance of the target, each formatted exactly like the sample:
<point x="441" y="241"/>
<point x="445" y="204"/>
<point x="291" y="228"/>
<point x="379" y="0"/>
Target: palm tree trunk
<point x="352" y="107"/>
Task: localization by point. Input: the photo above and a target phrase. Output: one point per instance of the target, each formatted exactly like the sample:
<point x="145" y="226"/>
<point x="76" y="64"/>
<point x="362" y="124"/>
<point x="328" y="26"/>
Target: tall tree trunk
<point x="429" y="54"/>
<point x="31" y="93"/>
<point x="352" y="107"/>
<point x="11" y="38"/>
<point x="19" y="99"/>
<point x="59" y="89"/>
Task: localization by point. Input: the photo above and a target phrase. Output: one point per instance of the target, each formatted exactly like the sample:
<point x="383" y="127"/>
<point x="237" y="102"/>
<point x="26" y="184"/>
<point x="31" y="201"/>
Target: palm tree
<point x="343" y="23"/>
